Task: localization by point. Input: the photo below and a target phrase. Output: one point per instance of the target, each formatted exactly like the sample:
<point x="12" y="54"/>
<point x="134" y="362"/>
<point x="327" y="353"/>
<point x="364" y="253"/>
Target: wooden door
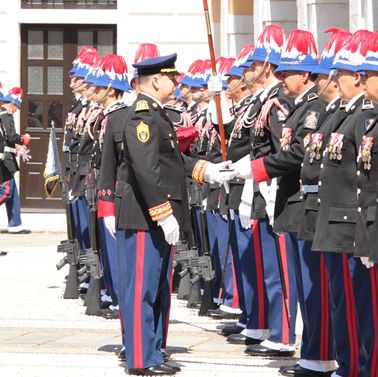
<point x="47" y="53"/>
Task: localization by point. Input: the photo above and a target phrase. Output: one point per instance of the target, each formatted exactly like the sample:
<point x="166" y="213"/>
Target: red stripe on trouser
<point x="324" y="286"/>
<point x="374" y="293"/>
<point x="351" y="318"/>
<point x="139" y="267"/>
<point x="235" y="299"/>
<point x="170" y="295"/>
<point x="259" y="274"/>
<point x="285" y="319"/>
<point x="6" y="193"/>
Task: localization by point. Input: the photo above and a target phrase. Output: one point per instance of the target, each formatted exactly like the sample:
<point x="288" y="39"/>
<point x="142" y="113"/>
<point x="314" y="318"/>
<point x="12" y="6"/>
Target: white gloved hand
<point x="245" y="211"/>
<point x="219" y="173"/>
<point x="23" y="152"/>
<point x="366" y="262"/>
<point x="215" y="84"/>
<point x="109" y="222"/>
<point x="243" y="168"/>
<point x="71" y="198"/>
<point x="170" y="228"/>
<point x="204" y="204"/>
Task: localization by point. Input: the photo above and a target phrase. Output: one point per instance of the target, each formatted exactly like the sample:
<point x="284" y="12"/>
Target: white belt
<point x="2" y="156"/>
<point x="9" y="149"/>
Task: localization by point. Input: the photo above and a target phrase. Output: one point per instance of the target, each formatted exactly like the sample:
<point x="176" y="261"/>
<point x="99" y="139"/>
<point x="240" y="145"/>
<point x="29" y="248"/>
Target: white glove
<point x="225" y="109"/>
<point x="245" y="210"/>
<point x="243" y="168"/>
<point x="366" y="262"/>
<point x="204" y="204"/>
<point x="269" y="193"/>
<point x="170" y="228"/>
<point x="214" y="174"/>
<point x="23" y="152"/>
<point x="215" y="84"/>
<point x="109" y="222"/>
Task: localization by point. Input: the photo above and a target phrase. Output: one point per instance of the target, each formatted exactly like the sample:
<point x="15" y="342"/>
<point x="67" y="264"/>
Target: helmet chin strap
<point x="329" y="79"/>
<point x="99" y="101"/>
<point x="231" y="88"/>
<point x="255" y="78"/>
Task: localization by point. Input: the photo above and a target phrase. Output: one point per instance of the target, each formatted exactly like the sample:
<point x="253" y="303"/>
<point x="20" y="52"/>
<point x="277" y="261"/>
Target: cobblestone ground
<point x="43" y="335"/>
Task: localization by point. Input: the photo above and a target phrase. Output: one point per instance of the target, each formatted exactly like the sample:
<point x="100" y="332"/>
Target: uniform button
<point x="319" y="201"/>
<point x="319" y="183"/>
<point x="358" y="172"/>
<point x="359" y="191"/>
<point x="345" y="217"/>
<point x="169" y="195"/>
<point x="302" y="165"/>
<point x="359" y="209"/>
<point x="321" y="166"/>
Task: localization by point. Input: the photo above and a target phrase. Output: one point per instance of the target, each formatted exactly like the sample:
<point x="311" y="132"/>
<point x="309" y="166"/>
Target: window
<point x="70" y="4"/>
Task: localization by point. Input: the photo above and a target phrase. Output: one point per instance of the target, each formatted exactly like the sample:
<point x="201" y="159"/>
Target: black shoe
<point x="262" y="351"/>
<point x="3" y="253"/>
<point x="242" y="339"/>
<point x="174" y="365"/>
<point x="297" y="370"/>
<point x="220" y="314"/>
<point x="109" y="314"/>
<point x="105" y="304"/>
<point x="233" y="329"/>
<point x="156" y="370"/>
<point x="23" y="231"/>
<point x="122" y="354"/>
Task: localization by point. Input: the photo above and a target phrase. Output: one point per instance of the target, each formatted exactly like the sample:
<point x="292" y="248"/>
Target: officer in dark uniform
<point x="151" y="209"/>
<point x="10" y="103"/>
<point x="297" y="61"/>
<point x="366" y="229"/>
<point x="335" y="114"/>
<point x="337" y="215"/>
<point x="265" y="130"/>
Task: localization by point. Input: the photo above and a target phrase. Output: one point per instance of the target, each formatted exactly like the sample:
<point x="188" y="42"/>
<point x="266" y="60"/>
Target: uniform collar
<point x="329" y="106"/>
<point x="353" y="101"/>
<point x="299" y="98"/>
<point x="111" y="107"/>
<point x="266" y="91"/>
<point x="257" y="93"/>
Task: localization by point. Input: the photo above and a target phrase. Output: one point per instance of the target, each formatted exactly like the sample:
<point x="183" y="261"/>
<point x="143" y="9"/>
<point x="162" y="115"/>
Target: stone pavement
<point x="43" y="335"/>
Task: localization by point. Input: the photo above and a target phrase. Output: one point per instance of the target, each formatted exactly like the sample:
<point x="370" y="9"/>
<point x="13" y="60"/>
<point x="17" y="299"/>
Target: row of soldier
<point x="290" y="218"/>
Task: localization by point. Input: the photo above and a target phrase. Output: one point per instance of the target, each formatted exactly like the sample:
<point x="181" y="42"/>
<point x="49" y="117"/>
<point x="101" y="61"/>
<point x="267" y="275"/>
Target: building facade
<point x="40" y="38"/>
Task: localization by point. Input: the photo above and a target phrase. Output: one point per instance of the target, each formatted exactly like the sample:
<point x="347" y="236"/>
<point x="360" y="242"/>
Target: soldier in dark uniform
<point x="265" y="128"/>
<point x="366" y="229"/>
<point x="249" y="276"/>
<point x="337" y="215"/>
<point x="151" y="209"/>
<point x="10" y="103"/>
<point x="109" y="81"/>
<point x="335" y="114"/>
<point x="297" y="61"/>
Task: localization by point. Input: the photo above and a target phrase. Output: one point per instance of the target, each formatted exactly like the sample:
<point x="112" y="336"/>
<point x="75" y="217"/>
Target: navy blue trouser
<point x="144" y="280"/>
<point x="313" y="296"/>
<point x="9" y="196"/>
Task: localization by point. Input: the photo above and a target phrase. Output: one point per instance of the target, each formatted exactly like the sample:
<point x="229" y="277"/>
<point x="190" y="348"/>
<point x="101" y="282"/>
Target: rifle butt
<point x="195" y="295"/>
<point x="207" y="302"/>
<point x="184" y="287"/>
<point x="72" y="286"/>
<point x="93" y="297"/>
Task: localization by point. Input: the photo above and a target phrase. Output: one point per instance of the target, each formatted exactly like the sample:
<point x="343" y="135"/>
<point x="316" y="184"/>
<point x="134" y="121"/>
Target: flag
<point x="52" y="167"/>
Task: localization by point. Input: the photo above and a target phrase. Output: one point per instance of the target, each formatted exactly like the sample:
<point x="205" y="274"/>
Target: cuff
<point x="259" y="172"/>
<point x="160" y="211"/>
<point x="198" y="172"/>
<point x="105" y="208"/>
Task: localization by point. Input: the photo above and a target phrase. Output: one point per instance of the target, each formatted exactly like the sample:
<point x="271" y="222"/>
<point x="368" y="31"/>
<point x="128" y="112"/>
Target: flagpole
<point x="214" y="72"/>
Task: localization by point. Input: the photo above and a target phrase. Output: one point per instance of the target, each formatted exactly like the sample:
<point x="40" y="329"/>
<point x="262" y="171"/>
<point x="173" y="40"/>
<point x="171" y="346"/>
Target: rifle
<point x="93" y="266"/>
<point x="70" y="246"/>
<point x="201" y="266"/>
